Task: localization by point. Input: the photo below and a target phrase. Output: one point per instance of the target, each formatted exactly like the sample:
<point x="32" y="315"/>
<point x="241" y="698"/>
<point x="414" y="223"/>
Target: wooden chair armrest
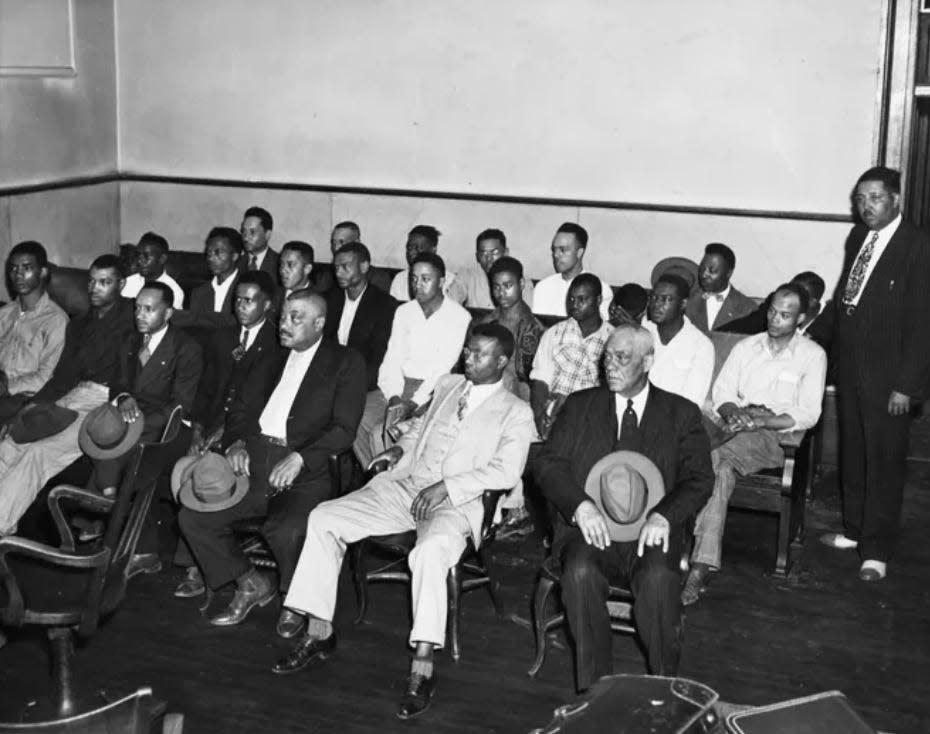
<point x="84" y="499"/>
<point x="791" y="439"/>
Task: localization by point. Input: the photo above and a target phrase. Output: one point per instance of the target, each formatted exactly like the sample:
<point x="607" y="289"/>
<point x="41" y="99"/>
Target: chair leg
<point x="491" y="585"/>
<point x="454" y="591"/>
<point x="544" y="587"/>
<point x="784" y="537"/>
<point x="356" y="556"/>
<point x="61" y="642"/>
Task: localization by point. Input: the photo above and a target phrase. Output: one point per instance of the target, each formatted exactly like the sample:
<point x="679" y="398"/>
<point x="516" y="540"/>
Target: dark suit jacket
<point x="735" y="306"/>
<point x="371" y="327"/>
<point x="224" y="377"/>
<point x="585" y="430"/>
<point x="169" y="378"/>
<point x="325" y="413"/>
<point x="269" y="264"/>
<point x="885" y="344"/>
<point x="200" y="313"/>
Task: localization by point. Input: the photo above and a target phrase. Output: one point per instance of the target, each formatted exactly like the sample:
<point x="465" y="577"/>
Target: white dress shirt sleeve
<point x="697" y="381"/>
<point x="391" y="373"/>
<point x="446" y="350"/>
<point x="543" y="365"/>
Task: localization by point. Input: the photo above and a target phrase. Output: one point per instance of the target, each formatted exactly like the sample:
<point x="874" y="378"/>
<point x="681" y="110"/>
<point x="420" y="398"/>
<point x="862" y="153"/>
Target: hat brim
<point x="655" y="490"/>
<point x="133" y="433"/>
<point x="40" y="422"/>
<point x="678" y="264"/>
<point x="182" y="487"/>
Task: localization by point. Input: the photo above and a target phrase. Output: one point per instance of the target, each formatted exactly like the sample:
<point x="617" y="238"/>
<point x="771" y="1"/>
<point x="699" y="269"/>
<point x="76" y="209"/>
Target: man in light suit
<point x="475" y="436"/>
<point x="718" y="302"/>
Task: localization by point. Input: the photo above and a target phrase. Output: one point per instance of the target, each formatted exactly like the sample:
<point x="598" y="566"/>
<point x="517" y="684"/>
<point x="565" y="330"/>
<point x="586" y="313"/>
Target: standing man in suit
<point x="312" y="412"/>
<point x="718" y="302"/>
<point x="211" y="304"/>
<point x="256" y="232"/>
<point x="882" y="346"/>
<point x="475" y="436"/>
<point x="628" y="414"/>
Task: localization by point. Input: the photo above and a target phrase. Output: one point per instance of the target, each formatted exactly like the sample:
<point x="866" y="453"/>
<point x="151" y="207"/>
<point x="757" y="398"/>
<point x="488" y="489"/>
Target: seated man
<point x="81" y="381"/>
<point x="256" y="227"/>
<point x="151" y="258"/>
<point x="312" y="412"/>
<point x="719" y="302"/>
<point x="32" y="329"/>
<point x="211" y="304"/>
<point x="568" y="250"/>
<point x="475" y="436"/>
<point x="569" y="354"/>
<point x="684" y="357"/>
<point x="295" y="264"/>
<point x="426" y="340"/>
<point x="771" y="383"/>
<point x="423" y="239"/>
<point x="323" y="277"/>
<point x="360" y="315"/>
<point x="628" y="305"/>
<point x="629" y="414"/>
<point x="490" y="247"/>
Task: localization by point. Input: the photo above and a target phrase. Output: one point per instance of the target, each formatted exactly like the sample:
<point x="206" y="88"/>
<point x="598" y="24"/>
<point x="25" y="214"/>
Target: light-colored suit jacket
<point x="489" y="452"/>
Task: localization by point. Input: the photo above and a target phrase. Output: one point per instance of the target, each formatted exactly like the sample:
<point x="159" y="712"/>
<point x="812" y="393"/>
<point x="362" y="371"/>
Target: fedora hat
<point x="624" y="485"/>
<point x="207" y="483"/>
<point x="39" y="421"/>
<point x="105" y="435"/>
<point x="681" y="266"/>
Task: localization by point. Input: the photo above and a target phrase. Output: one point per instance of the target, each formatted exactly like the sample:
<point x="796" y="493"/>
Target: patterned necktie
<point x="253" y="262"/>
<point x="463" y="401"/>
<point x="239" y="351"/>
<point x="144" y="353"/>
<point x="857" y="274"/>
<point x="629" y="424"/>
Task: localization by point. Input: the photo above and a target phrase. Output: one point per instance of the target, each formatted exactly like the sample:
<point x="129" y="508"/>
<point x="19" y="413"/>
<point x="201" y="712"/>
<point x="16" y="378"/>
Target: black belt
<point x="273" y="440"/>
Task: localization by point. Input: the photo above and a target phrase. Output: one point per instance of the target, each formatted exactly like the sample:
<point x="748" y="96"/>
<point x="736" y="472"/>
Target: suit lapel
<point x="162" y="353"/>
<point x="361" y="316"/>
<point x="653" y="420"/>
<point x="888" y="266"/>
<point x="439" y="403"/>
<point x="317" y="374"/>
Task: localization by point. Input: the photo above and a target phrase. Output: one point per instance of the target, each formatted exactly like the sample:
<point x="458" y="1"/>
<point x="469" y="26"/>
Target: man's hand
<point x="238" y="459"/>
<point x="428" y="500"/>
<point x="398" y="409"/>
<point x="740" y="419"/>
<point x="129" y="409"/>
<point x="653" y="532"/>
<point x="592" y="524"/>
<point x="197" y="446"/>
<point x="391" y="455"/>
<point x="285" y="472"/>
<point x="899" y="403"/>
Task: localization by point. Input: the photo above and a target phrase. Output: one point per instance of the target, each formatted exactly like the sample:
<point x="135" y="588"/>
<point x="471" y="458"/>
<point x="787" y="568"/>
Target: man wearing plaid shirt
<point x="569" y="354"/>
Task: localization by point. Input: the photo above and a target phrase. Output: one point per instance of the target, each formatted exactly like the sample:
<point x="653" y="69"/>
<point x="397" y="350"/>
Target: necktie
<point x="629" y="424"/>
<point x="144" y="353"/>
<point x="463" y="401"/>
<point x="857" y="274"/>
<point x="239" y="351"/>
<point x="253" y="262"/>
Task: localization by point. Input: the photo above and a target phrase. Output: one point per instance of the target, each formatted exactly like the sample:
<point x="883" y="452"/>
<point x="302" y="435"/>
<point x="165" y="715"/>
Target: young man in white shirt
<point x="212" y="303"/>
<point x="151" y="257"/>
<point x="568" y="250"/>
<point x="424" y="239"/>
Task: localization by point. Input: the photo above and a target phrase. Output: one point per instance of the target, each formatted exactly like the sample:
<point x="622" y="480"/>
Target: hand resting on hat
<point x="129" y="409"/>
<point x="592" y="525"/>
<point x="238" y="458"/>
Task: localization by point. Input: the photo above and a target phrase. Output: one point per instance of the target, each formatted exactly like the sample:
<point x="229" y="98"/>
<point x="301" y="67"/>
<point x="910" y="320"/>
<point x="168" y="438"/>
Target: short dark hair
<point x="427" y="231"/>
<point x="33" y="248"/>
<point x="155" y="239"/>
<point x="812" y="283"/>
<point x="718" y="248"/>
<point x="106" y="262"/>
<point x="590" y="280"/>
<point x="259" y="278"/>
<point x="349" y="225"/>
<point x="263" y="216"/>
<point x="432" y="259"/>
<point x="888" y="176"/>
<point x="492" y="234"/>
<point x="356" y="248"/>
<point x="632" y="297"/>
<point x="167" y="295"/>
<point x="229" y="234"/>
<point x="581" y="234"/>
<point x="506" y="264"/>
<point x="501" y="334"/>
<point x="304" y="249"/>
<point x="798" y="290"/>
<point x="680" y="284"/>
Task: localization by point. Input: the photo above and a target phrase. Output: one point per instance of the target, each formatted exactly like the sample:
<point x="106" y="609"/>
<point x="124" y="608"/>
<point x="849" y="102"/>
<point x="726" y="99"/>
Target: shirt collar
<point x="765" y="345"/>
<point x="722" y="295"/>
<point x="355" y="300"/>
<point x="639" y="403"/>
<point x="155" y="339"/>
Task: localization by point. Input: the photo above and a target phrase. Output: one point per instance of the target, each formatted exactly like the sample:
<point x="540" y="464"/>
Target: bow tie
<point x="718" y="297"/>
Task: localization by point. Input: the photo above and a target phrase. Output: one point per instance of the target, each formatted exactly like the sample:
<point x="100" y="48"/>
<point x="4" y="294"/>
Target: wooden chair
<point x="68" y="589"/>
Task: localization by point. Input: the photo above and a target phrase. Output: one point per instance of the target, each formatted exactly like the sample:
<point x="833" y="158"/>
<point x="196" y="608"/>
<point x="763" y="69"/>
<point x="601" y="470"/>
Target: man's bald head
<point x="303" y="317"/>
<point x="628" y="357"/>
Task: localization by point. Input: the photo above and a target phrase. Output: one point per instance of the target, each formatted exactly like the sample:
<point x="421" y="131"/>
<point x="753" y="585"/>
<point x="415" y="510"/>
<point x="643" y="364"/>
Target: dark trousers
<point x="210" y="535"/>
<point x="873" y="463"/>
<point x="654" y="580"/>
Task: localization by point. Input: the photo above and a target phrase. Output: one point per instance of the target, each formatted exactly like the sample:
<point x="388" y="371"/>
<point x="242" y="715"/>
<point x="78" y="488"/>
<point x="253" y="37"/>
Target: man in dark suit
<point x="312" y="412"/>
<point x="882" y="347"/>
<point x="628" y="414"/>
<point x="211" y="304"/>
<point x="256" y="232"/>
<point x="360" y="315"/>
<point x="718" y="302"/>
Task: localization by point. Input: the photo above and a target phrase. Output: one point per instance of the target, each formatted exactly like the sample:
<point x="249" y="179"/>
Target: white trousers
<point x="381" y="507"/>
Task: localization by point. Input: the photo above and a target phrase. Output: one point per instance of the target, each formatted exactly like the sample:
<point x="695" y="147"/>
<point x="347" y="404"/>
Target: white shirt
<point x="714" y="303"/>
<point x="639" y="406"/>
<point x="884" y="237"/>
<point x="349" y="309"/>
<point x="400" y="287"/>
<point x="273" y="421"/>
<point x="155" y="339"/>
<point x="684" y="366"/>
<point x="250" y="334"/>
<point x="550" y="293"/>
<point x="220" y="290"/>
<point x="422" y="348"/>
<point x="134" y="284"/>
<point x="477" y="394"/>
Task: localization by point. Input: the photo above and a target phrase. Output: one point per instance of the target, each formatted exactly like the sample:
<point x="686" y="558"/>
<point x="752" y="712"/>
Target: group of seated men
<point x="294" y="362"/>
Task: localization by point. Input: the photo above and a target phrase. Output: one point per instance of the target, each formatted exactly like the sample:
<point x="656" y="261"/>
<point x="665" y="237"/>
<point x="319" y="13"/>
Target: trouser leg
<point x="852" y="459"/>
<point x="655" y="584"/>
<point x="368" y="436"/>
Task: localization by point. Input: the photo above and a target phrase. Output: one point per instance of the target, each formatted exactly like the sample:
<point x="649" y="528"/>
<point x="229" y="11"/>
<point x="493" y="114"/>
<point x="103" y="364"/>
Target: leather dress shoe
<point x="307" y="650"/>
<point x="192" y="585"/>
<point x="838" y="540"/>
<point x="417" y="697"/>
<point x="252" y="591"/>
<point x="695" y="583"/>
<point x="289" y="624"/>
<point x="144" y="563"/>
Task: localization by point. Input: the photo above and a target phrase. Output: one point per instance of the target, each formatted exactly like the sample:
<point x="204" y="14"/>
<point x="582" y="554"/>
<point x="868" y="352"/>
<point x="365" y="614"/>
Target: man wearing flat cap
<point x="625" y="528"/>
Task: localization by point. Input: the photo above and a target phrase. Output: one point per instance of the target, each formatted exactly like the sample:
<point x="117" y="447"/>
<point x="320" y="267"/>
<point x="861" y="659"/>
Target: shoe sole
<point x="147" y="570"/>
<point x="407" y="717"/>
<point x="321" y="656"/>
<point x="257" y="603"/>
<point x="290" y="634"/>
<point x="189" y="594"/>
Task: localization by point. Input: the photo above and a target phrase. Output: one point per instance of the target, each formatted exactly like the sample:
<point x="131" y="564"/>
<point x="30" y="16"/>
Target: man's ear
<point x="648" y="361"/>
<point x="364" y="267"/>
<point x="169" y="312"/>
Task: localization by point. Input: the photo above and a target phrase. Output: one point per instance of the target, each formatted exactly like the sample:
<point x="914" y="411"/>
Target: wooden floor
<point x="752" y="638"/>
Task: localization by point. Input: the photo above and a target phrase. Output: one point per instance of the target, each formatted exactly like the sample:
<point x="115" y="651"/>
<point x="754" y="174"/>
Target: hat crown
<point x="623" y="494"/>
<point x="212" y="479"/>
<point x="106" y="427"/>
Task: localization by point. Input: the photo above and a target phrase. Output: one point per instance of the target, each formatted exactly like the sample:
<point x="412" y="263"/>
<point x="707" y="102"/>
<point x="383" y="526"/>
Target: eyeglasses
<point x="653" y="298"/>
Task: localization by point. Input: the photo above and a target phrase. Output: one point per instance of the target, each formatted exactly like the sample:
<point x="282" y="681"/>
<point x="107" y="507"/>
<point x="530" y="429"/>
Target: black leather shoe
<point x="253" y="591"/>
<point x="192" y="585"/>
<point x="144" y="563"/>
<point x="418" y="696"/>
<point x="308" y="649"/>
<point x="290" y="624"/>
